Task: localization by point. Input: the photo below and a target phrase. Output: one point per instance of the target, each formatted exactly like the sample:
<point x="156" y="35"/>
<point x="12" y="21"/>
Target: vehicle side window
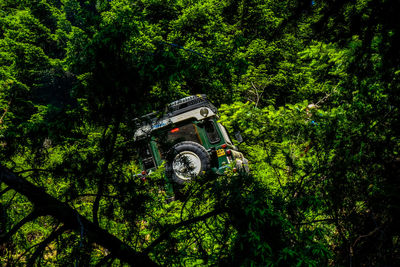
<point x="211" y="132"/>
<point x="173" y="136"/>
<point x="183" y="133"/>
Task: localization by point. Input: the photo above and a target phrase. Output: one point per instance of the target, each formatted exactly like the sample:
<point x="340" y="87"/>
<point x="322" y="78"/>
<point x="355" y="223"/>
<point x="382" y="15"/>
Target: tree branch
<point x="172" y="228"/>
<point x="33" y="170"/>
<point x="33" y="215"/>
<point x="4" y="191"/>
<point x="103" y="178"/>
<point x="90" y="195"/>
<point x="359" y="238"/>
<point x="104" y="260"/>
<point x="5" y="112"/>
<point x="64" y="213"/>
<point x="44" y="243"/>
<point x="315" y="221"/>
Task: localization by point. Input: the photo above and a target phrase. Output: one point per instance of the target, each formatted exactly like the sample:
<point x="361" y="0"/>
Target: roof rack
<point x="189" y="103"/>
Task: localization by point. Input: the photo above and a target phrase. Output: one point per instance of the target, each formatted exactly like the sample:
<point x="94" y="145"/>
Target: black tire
<point x="180" y="159"/>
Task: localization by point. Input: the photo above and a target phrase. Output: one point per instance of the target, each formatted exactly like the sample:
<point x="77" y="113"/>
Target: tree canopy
<point x="313" y="87"/>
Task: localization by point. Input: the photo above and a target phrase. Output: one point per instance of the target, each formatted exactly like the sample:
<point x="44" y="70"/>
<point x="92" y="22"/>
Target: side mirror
<point x="239" y="137"/>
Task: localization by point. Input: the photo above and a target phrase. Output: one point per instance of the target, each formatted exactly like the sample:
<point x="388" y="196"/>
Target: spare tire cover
<point x="187" y="160"/>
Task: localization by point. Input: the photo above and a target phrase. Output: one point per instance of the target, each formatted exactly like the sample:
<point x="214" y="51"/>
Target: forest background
<point x="324" y="183"/>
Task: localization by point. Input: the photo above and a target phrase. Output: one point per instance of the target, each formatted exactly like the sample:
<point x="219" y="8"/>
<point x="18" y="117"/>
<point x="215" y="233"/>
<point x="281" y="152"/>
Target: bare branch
<point x="5" y="112"/>
<point x="359" y="238"/>
<point x="258" y="95"/>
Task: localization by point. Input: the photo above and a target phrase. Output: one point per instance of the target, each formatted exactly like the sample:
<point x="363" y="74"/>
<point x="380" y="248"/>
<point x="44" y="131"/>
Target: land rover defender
<point x="189" y="139"/>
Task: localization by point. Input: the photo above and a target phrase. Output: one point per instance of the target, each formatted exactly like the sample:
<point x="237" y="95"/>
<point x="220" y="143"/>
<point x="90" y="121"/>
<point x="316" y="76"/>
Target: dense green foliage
<point x="313" y="86"/>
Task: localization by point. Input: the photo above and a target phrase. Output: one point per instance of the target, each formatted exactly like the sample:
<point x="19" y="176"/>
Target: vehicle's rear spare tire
<point x="187" y="160"/>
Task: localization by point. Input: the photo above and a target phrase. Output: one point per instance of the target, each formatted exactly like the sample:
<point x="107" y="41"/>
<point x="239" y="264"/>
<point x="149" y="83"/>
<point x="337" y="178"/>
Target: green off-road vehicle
<point x="189" y="139"/>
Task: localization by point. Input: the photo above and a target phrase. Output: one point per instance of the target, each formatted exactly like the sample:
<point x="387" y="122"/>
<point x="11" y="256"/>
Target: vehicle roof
<point x="192" y="107"/>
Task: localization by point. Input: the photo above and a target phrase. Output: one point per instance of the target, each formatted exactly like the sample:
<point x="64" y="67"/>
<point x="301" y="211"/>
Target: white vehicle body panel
<point x="145" y="130"/>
